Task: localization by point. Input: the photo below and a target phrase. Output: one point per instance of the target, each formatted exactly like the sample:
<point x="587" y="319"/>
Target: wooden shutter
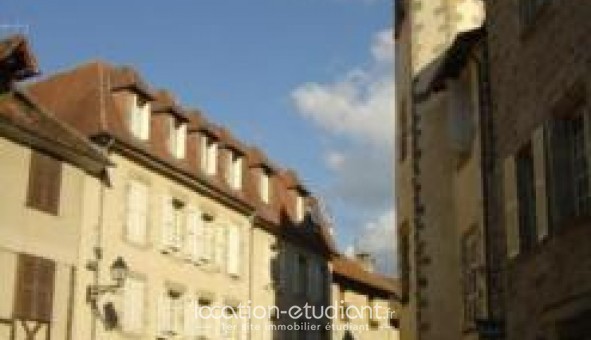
<point x="189" y="317"/>
<point x="190" y="244"/>
<point x="137" y="212"/>
<point x="539" y="158"/>
<point x="164" y="325"/>
<point x="45" y="175"/>
<point x="133" y="305"/>
<point x="34" y="288"/>
<point x="168" y="222"/>
<point x="220" y="247"/>
<point x="208" y="242"/>
<point x="233" y="246"/>
<point x="511" y="208"/>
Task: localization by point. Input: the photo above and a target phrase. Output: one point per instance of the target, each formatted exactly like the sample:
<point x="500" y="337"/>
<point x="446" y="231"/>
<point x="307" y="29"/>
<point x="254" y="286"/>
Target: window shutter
<point x="181" y="140"/>
<point x="44" y="187"/>
<point x="168" y="222"/>
<point x="208" y="242"/>
<point x="34" y="288"/>
<point x="220" y="247"/>
<point x="137" y="203"/>
<point x="539" y="155"/>
<point x="164" y="313"/>
<point x="133" y="305"/>
<point x="177" y="228"/>
<point x="511" y="208"/>
<point x="233" y="262"/>
<point x="194" y="235"/>
<point x="295" y="263"/>
<point x="312" y="279"/>
<point x="189" y="319"/>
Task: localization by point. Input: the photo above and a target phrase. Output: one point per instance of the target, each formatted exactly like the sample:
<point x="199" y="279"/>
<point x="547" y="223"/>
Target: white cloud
<point x="358" y="107"/>
<point x="379" y="239"/>
<point x="360" y="104"/>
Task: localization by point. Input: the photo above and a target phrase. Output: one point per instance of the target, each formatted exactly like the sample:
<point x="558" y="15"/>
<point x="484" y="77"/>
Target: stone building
<point x="201" y="219"/>
<point x="364" y="301"/>
<point x="540" y="88"/>
<point x="441" y="168"/>
<point x="49" y="175"/>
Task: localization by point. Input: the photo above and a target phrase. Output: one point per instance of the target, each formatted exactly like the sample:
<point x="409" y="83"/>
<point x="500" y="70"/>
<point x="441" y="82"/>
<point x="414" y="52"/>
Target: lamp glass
<point x="119" y="271"/>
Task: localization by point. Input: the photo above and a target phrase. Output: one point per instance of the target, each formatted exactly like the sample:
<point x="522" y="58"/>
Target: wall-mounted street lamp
<point x="119" y="272"/>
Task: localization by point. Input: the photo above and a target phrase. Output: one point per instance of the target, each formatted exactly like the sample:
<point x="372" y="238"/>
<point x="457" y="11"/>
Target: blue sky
<point x="300" y="78"/>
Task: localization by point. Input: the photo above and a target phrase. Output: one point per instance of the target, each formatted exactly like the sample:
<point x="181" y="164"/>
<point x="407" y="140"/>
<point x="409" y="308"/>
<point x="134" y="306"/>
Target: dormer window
<point x="139" y="117"/>
<point x="300" y="207"/>
<point x="265" y="186"/>
<point x="209" y="155"/>
<point x="234" y="170"/>
<point x="177" y="135"/>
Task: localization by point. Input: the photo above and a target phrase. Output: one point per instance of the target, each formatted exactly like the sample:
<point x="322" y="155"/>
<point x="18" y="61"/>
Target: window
<point x="177" y="134"/>
<point x="139" y="117"/>
<point x="233" y="251"/>
<point x="471" y="262"/>
<point x="234" y="170"/>
<point x="529" y="10"/>
<point x="34" y="288"/>
<point x="137" y="212"/>
<point x="301" y="274"/>
<point x="195" y="237"/>
<point x="171" y="312"/>
<point x="209" y="155"/>
<point x="265" y="186"/>
<point x="300" y="208"/>
<point x="172" y="224"/>
<point x="133" y="305"/>
<point x="45" y="178"/>
<point x="526" y="197"/>
<point x="568" y="162"/>
<point x="230" y="323"/>
<point x="204" y="324"/>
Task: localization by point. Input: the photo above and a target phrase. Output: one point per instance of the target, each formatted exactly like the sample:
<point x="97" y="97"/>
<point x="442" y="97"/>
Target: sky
<point x="308" y="81"/>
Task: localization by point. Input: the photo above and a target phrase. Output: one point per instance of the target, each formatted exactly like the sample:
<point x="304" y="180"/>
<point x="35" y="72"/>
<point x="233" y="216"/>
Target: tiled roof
<point x="83" y="97"/>
<point x="21" y="117"/>
<point x="351" y="270"/>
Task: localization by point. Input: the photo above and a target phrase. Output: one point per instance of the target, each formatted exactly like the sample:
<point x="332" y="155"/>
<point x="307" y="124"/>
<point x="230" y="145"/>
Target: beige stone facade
<point x="107" y="169"/>
<point x="439" y="169"/>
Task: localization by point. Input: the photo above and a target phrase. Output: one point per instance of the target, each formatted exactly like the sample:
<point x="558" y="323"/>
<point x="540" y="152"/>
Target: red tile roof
<point x="352" y="271"/>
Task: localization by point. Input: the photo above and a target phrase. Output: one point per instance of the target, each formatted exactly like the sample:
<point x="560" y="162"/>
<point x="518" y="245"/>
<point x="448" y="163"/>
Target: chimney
<point x="16" y="62"/>
<point x="366" y="260"/>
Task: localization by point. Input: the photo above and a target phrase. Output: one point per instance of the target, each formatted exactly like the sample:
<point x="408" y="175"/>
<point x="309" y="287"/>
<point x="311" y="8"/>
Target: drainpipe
<point x="251" y="219"/>
<point x="97" y="249"/>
